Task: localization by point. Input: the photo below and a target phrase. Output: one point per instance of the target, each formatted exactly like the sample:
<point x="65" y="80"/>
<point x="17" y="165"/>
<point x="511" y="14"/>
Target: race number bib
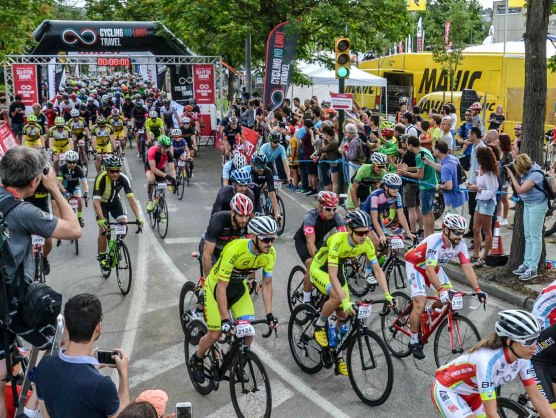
<point x="244" y="329"/>
<point x="364" y="311"/>
<point x="73" y="204"/>
<point x="397" y="242"/>
<point x="161" y="186"/>
<point x="181" y="163"/>
<point x="120" y="229"/>
<point x="37" y="240"/>
<point x="457" y="302"/>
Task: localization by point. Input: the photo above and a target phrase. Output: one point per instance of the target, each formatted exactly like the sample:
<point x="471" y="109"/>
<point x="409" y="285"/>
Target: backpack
<point x="361" y="155"/>
<point x="548" y="185"/>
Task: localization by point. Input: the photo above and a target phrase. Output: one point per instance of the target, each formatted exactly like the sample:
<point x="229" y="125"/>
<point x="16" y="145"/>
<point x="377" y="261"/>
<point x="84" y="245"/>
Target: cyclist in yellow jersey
<point x="59" y="140"/>
<point x="104" y="136"/>
<point x="154" y="127"/>
<point x="327" y="274"/>
<point x="32" y="133"/>
<point x="117" y="122"/>
<point x="78" y="125"/>
<point x="226" y="286"/>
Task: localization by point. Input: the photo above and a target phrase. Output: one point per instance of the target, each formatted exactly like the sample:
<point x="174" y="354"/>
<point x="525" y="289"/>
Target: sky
<point x="486" y="3"/>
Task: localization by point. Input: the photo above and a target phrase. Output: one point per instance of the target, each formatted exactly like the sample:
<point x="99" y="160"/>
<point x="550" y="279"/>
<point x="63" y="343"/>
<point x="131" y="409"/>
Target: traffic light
<point x="343" y="59"/>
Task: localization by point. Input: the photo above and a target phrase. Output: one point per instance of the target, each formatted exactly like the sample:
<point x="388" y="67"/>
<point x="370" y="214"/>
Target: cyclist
<point x="179" y="148"/>
<point x="366" y="179"/>
<point x="261" y="177"/>
<point x="466" y="386"/>
<point x="229" y="136"/>
<point x="238" y="161"/>
<point x="59" y="140"/>
<point x="327" y="274"/>
<point x="226" y="286"/>
<point x="309" y="238"/>
<point x="188" y="133"/>
<point x="32" y="133"/>
<point x="241" y="180"/>
<point x="117" y="122"/>
<point x="189" y="112"/>
<point x="168" y="113"/>
<point x="127" y="107"/>
<point x="224" y="227"/>
<point x="106" y="201"/>
<point x="155" y="169"/>
<point x="70" y="177"/>
<point x="78" y="126"/>
<point x="154" y="127"/>
<point x="138" y="112"/>
<point x="104" y="140"/>
<point x="424" y="269"/>
<point x="544" y="307"/>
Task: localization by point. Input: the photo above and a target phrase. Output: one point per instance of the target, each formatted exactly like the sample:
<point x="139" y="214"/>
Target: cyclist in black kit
<point x="241" y="179"/>
<point x="229" y="136"/>
<point x="261" y="176"/>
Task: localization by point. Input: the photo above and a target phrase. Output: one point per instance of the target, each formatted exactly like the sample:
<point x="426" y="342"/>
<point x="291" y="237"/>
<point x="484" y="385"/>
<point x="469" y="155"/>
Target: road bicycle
<point x="266" y="205"/>
<point x="73" y="202"/>
<point x="370" y="368"/>
<point x="518" y="408"/>
<point x="118" y="257"/>
<point x="159" y="215"/>
<point x="455" y="333"/>
<point x="117" y="149"/>
<point x="38" y="244"/>
<point x="183" y="175"/>
<point x="191" y="303"/>
<point x="550" y="219"/>
<point x="231" y="359"/>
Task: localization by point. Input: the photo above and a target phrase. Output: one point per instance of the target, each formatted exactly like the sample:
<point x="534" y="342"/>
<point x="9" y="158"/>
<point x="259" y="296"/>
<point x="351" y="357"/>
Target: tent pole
<point x="386" y="101"/>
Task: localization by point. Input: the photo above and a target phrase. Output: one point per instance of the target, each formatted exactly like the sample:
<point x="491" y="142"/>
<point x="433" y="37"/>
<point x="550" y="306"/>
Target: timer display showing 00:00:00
<point x="114" y="62"/>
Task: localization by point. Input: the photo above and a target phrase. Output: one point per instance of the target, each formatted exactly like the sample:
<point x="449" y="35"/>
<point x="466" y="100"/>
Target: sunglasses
<point x="458" y="233"/>
<point x="114" y="171"/>
<point x="529" y="342"/>
<point x="267" y="240"/>
<point x="380" y="167"/>
<point x="468" y="114"/>
<point x="71" y="162"/>
<point x="361" y="233"/>
<point x="329" y="209"/>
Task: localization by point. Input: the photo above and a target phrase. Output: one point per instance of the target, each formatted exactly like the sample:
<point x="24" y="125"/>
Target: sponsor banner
<point x="281" y="49"/>
<point x="7" y="139"/>
<point x="251" y="137"/>
<point x="204" y="84"/>
<point x="341" y="101"/>
<point x="26" y="83"/>
<point x="182" y="83"/>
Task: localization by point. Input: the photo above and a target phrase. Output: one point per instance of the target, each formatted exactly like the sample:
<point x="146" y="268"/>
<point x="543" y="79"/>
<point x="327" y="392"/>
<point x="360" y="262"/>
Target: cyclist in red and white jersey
<point x="424" y="269"/>
<point x="466" y="386"/>
<point x="544" y="307"/>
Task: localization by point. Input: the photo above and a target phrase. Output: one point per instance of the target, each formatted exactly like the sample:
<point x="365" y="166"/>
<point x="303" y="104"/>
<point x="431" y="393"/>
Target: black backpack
<point x="548" y="185"/>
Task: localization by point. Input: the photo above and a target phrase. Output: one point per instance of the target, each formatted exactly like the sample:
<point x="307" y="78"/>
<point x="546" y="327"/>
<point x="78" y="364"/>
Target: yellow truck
<point x="497" y="77"/>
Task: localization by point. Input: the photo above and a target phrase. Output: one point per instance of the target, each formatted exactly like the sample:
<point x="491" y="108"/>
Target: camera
<point x="46" y="169"/>
<point x="184" y="410"/>
<point x="510" y="166"/>
<point x="105" y="357"/>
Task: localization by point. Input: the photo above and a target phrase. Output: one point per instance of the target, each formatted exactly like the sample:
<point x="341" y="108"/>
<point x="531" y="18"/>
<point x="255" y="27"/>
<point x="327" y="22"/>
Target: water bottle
<point x="332" y="341"/>
<point x="111" y="245"/>
<point x="342" y="332"/>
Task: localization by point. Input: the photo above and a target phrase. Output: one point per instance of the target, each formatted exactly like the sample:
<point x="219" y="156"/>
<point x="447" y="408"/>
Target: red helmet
<point x="241" y="204"/>
<point x="387" y="132"/>
<point x="476" y="106"/>
<point x="73" y="96"/>
<point x="189" y="108"/>
<point x="329" y="199"/>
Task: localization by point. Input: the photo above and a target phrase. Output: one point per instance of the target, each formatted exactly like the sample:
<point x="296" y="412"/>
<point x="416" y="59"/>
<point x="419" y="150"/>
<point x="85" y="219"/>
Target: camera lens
<point x="46" y="169"/>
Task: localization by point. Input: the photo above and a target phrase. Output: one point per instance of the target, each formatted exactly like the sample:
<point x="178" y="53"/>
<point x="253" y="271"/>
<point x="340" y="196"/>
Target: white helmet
<point x="175" y="132"/>
<point x="518" y="325"/>
<point x="74" y="113"/>
<point x="379" y="159"/>
<point x="262" y="226"/>
<point x="454" y="221"/>
<point x="239" y="160"/>
<point x="71" y="156"/>
<point x="392" y="180"/>
<point x="153" y="114"/>
<point x="185" y="121"/>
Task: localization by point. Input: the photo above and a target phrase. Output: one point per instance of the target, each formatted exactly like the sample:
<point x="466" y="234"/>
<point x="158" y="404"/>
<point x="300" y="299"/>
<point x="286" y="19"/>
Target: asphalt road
<point x="145" y="323"/>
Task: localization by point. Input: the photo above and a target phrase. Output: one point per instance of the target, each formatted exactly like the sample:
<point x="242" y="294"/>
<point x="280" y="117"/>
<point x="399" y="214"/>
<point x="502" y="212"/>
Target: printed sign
<point x="341" y="101"/>
<point x="7" y="139"/>
<point x="25" y="83"/>
<point x="203" y="84"/>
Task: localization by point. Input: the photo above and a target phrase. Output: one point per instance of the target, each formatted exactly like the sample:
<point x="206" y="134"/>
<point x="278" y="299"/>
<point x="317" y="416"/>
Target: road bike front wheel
<point x="355" y="273"/>
<point x="197" y="329"/>
<point x="508" y="408"/>
<point x="76" y="244"/>
<point x="282" y="208"/>
<point x="180" y="184"/>
<point x="450" y="343"/>
<point x="301" y="336"/>
<point x="395" y="325"/>
<point x="153" y="215"/>
<point x="295" y="287"/>
<point x="187" y="304"/>
<point x="124" y="272"/>
<point x="250" y="387"/>
<point x="371" y="372"/>
<point x="162" y="221"/>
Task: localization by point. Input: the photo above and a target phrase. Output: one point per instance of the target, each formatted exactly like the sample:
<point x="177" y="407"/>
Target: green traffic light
<point x="343" y="72"/>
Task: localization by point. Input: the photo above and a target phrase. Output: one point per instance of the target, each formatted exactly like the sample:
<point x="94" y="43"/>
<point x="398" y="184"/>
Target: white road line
<point x="304" y="206"/>
<point x="183" y="240"/>
<point x="148" y="368"/>
<point x="297" y="383"/>
<point x="280" y="394"/>
<point x="128" y="171"/>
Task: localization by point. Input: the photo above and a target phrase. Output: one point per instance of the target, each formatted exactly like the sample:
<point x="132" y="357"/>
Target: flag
<point x="416" y="5"/>
<point x="447" y="27"/>
<point x="281" y="49"/>
<point x="420" y="35"/>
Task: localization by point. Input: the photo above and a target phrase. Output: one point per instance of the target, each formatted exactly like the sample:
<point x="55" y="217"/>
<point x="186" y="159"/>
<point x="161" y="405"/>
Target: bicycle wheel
<point x="396" y="275"/>
<point x="39" y="268"/>
<point x="124" y="273"/>
<point x="295" y="287"/>
<point x="153" y="215"/>
<point x="395" y="323"/>
<point x="508" y="408"/>
<point x="187" y="304"/>
<point x="162" y="222"/>
<point x="438" y="206"/>
<point x="188" y="174"/>
<point x="305" y="350"/>
<point x="250" y="387"/>
<point x="354" y="272"/>
<point x="192" y="337"/>
<point x="371" y="372"/>
<point x="550" y="222"/>
<point x="180" y="184"/>
<point x="463" y="334"/>
<point x="282" y="224"/>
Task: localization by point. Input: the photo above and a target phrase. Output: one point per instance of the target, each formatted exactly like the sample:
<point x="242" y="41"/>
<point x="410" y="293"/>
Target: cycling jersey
<point x="107" y="191"/>
<point x="379" y="200"/>
<point x="227" y="169"/>
<point x="224" y="197"/>
<point x="155" y="126"/>
<point x="314" y="223"/>
<point x="220" y="230"/>
<point x="544" y="363"/>
<point x="340" y="248"/>
<point x="544" y="307"/>
<point x="60" y="138"/>
<point x="368" y="181"/>
<point x="160" y="159"/>
<point x="105" y="111"/>
<point x="138" y="113"/>
<point x="32" y="135"/>
<point x="259" y="181"/>
<point x="187" y="134"/>
<point x="179" y="147"/>
<point x="71" y="178"/>
<point x="126" y="109"/>
<point x="77" y="125"/>
<point x="231" y="134"/>
<point x="102" y="136"/>
<point x="433" y="251"/>
<point x="117" y="123"/>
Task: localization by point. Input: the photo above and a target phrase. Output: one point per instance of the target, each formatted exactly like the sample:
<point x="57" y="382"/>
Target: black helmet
<point x="358" y="219"/>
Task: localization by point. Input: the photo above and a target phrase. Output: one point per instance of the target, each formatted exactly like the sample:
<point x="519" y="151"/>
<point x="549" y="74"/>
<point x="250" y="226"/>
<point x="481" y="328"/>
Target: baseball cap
<point x="157" y="398"/>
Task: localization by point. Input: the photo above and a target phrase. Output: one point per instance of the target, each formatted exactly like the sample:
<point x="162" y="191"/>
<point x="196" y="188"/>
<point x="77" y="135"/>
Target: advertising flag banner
<point x="7" y="139"/>
<point x="26" y="83"/>
<point x="281" y="49"/>
<point x="420" y="35"/>
<point x="204" y="84"/>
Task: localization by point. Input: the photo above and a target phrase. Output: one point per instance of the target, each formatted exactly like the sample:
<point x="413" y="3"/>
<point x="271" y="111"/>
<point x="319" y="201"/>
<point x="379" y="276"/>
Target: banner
<point x="251" y="139"/>
<point x="26" y="83"/>
<point x="182" y="83"/>
<point x="204" y="84"/>
<point x="447" y="27"/>
<point x="420" y="35"/>
<point x="416" y="5"/>
<point x="161" y="76"/>
<point x="281" y="49"/>
<point x="7" y="139"/>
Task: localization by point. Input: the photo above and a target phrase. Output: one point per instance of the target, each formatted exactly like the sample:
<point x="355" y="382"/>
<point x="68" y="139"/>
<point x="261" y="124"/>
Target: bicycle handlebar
<point x="265" y="321"/>
<point x="139" y="230"/>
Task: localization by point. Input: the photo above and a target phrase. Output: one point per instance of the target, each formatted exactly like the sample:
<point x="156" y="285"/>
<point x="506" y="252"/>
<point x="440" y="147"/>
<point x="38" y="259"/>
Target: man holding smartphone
<point x="68" y="384"/>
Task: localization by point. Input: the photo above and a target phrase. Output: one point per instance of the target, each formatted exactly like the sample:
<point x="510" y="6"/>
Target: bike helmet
<point x="74" y="113"/>
<point x="329" y="199"/>
<point x="105" y="98"/>
<point x="476" y="106"/>
<point x="36" y="106"/>
<point x="73" y="96"/>
<point x="239" y="160"/>
<point x="186" y="121"/>
<point x="262" y="226"/>
<point x="113" y="162"/>
<point x="175" y="132"/>
<point x="241" y="204"/>
<point x="164" y="141"/>
<point x="274" y="137"/>
<point x="392" y="180"/>
<point x="153" y="114"/>
<point x="189" y="108"/>
<point x="387" y="132"/>
<point x="259" y="159"/>
<point x="241" y="176"/>
<point x="101" y="120"/>
<point x="31" y="118"/>
<point x="358" y="219"/>
<point x="137" y="96"/>
<point x="518" y="325"/>
<point x="454" y="221"/>
<point x="59" y="122"/>
<point x="233" y="120"/>
<point x="379" y="159"/>
<point x="115" y="111"/>
<point x="71" y="156"/>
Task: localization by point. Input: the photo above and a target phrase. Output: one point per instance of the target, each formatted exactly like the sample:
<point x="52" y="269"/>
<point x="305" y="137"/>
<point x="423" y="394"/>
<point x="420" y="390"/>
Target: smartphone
<point x="184" y="410"/>
<point x="105" y="357"/>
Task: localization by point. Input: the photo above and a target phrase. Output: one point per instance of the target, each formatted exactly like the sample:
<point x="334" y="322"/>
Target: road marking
<point x="304" y="206"/>
<point x="183" y="240"/>
<point x="148" y="368"/>
<point x="172" y="207"/>
<point x="297" y="383"/>
<point x="128" y="171"/>
<point x="280" y="394"/>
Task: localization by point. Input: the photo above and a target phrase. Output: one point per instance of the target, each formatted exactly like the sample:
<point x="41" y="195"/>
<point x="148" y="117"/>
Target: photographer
<point x="22" y="170"/>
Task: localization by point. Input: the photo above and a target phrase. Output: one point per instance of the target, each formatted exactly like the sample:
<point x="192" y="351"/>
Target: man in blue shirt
<point x="274" y="150"/>
<point x="463" y="140"/>
<point x="68" y="384"/>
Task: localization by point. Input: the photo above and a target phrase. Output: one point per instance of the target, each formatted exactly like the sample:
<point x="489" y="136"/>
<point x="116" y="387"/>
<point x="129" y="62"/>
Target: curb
<point x="493" y="289"/>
